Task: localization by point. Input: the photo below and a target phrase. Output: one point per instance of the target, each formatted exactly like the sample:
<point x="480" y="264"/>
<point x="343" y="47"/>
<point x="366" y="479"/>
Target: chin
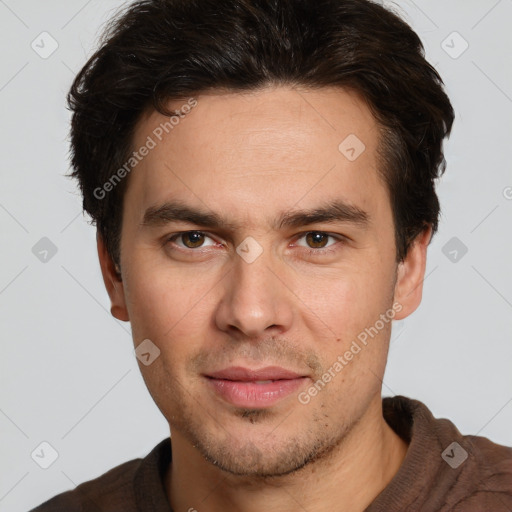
<point x="264" y="455"/>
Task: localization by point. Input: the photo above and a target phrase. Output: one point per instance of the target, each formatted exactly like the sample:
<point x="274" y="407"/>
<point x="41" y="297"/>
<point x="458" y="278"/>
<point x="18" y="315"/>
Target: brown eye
<point x="188" y="241"/>
<point x="192" y="239"/>
<point x="316" y="239"/>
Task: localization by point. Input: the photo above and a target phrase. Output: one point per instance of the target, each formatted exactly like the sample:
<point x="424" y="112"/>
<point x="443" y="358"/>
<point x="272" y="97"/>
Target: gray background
<point x="68" y="373"/>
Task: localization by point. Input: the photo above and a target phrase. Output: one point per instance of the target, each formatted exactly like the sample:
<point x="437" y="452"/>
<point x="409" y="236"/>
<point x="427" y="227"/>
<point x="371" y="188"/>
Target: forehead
<point x="256" y="153"/>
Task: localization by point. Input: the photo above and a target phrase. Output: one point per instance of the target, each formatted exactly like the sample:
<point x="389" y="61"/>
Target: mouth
<point x="244" y="387"/>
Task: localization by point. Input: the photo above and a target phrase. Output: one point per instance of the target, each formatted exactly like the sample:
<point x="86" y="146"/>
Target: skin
<point x="249" y="157"/>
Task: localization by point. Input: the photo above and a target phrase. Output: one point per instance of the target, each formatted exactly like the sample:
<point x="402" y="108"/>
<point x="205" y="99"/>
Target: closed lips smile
<point x="244" y="387"/>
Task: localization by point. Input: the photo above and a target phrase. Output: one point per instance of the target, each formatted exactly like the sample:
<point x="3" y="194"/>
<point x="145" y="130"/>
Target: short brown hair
<point x="158" y="50"/>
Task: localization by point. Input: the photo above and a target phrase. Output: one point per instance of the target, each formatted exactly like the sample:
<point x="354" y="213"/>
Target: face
<point x="252" y="240"/>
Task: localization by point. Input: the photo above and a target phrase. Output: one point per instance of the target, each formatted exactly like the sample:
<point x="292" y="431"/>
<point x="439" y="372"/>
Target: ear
<point x="113" y="282"/>
<point x="410" y="275"/>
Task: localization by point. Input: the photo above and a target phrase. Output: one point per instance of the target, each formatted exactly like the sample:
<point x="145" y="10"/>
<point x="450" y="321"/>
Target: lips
<point x="244" y="387"/>
<point x="238" y="373"/>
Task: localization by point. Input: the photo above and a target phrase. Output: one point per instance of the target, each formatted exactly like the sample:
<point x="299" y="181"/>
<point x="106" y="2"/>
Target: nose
<point x="255" y="300"/>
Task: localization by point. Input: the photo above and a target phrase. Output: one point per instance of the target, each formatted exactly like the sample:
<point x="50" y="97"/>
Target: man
<point x="261" y="174"/>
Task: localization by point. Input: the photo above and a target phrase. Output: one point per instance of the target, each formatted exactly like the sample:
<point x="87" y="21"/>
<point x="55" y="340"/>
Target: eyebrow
<point x="331" y="212"/>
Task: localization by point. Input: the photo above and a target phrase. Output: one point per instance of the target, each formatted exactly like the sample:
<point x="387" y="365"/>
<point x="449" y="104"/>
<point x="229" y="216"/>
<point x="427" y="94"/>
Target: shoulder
<point x="489" y="473"/>
<point x="111" y="491"/>
<point x="459" y="473"/>
<point x="125" y="487"/>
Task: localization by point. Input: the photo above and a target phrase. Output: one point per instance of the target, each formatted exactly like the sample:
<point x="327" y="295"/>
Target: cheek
<point x="347" y="308"/>
<point x="347" y="299"/>
<point x="167" y="306"/>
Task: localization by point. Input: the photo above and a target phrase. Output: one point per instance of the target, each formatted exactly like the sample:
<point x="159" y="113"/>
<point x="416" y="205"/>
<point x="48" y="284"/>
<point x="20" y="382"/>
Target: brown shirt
<point x="442" y="471"/>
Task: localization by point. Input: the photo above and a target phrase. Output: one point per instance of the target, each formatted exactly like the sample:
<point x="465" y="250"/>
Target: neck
<point x="347" y="479"/>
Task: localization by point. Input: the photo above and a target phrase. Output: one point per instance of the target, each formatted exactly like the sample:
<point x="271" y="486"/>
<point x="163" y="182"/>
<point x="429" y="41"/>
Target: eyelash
<point x="311" y="251"/>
